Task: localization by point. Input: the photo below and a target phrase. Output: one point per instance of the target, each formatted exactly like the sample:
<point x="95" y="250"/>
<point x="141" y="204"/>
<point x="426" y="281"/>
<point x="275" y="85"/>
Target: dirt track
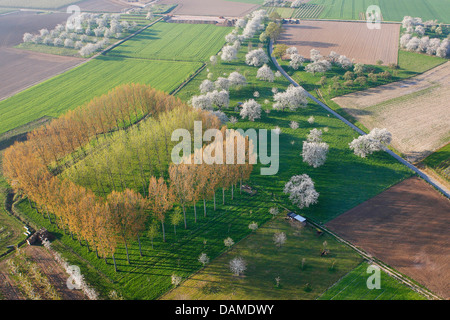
<point x="352" y="39"/>
<point x="407" y="227"/>
<point x="211" y="7"/>
<point x="419" y="123"/>
<point x="48" y="266"/>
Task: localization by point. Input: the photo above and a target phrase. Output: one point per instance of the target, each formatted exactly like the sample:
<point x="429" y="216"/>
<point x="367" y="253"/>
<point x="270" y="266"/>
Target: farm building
<point x="294" y="216"/>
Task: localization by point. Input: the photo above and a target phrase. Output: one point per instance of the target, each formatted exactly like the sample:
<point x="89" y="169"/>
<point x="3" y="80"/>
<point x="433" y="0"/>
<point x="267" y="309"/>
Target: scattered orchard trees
<point x="301" y="191"/>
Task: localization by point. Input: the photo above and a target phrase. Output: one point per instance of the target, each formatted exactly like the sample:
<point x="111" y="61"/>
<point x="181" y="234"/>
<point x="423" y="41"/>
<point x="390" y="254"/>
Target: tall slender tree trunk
<point x="204" y="206"/>
<point x="126" y="249"/>
<point x="184" y="214"/>
<point x="115" y="265"/>
<point x="195" y="212"/>
<point x="140" y="248"/>
<point x="164" y="233"/>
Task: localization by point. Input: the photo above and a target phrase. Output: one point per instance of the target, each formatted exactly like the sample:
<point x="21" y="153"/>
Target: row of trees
<point x="121" y="107"/>
<point x="85" y="32"/>
<point x="120" y="216"/>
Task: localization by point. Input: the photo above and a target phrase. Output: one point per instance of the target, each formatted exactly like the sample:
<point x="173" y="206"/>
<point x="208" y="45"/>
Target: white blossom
<point x="314" y="153"/>
<point x="301" y="191"/>
<point x="265" y="73"/>
<point x="251" y="110"/>
<point x="256" y="58"/>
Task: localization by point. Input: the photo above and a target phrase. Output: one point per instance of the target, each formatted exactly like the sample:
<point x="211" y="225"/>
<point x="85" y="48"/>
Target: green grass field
<point x="37" y="4"/>
<point x="391" y="10"/>
<point x="353" y="286"/>
<point x="439" y="161"/>
<point x="79" y="85"/>
<point x="175" y="41"/>
<point x="265" y="262"/>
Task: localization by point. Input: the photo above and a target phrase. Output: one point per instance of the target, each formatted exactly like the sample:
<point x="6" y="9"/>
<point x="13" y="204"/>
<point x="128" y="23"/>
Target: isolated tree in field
<point x="296" y="61"/>
<point x="301" y="191"/>
<point x="253" y="226"/>
<point x="314" y="153"/>
<point x="176" y="280"/>
<point x="238" y="266"/>
<point x="206" y="86"/>
<point x="279" y="239"/>
<point x="374" y="141"/>
<point x="229" y="53"/>
<point x="265" y="73"/>
<point x="256" y="58"/>
<point x="293" y="125"/>
<point x="315" y="135"/>
<point x="203" y="259"/>
<point x="237" y="80"/>
<point x="228" y="242"/>
<point x="159" y="200"/>
<point x="274" y="211"/>
<point x="251" y="110"/>
<point x="293" y="98"/>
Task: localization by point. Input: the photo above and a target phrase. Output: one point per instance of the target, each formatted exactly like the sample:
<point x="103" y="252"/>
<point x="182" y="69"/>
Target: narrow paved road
<point x="441" y="188"/>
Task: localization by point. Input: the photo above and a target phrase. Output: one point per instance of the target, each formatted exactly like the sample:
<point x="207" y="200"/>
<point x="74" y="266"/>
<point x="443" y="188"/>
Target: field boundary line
<point x="83" y="61"/>
<point x="375" y="261"/>
<point x="442" y="189"/>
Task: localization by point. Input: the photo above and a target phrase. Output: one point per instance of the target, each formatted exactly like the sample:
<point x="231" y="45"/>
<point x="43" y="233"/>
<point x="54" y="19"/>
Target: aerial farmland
<point x="227" y="150"/>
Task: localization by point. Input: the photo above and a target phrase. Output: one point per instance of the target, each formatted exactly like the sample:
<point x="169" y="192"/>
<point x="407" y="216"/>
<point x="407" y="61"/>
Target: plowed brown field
<point x="415" y="111"/>
<point x="407" y="227"/>
<point x="352" y="39"/>
<point x="211" y="7"/>
<point x="20" y="69"/>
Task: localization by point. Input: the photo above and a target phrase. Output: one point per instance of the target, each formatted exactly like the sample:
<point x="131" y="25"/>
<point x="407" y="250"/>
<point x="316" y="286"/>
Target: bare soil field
<point x="415" y="111"/>
<point x="352" y="39"/>
<point x="49" y="267"/>
<point x="102" y="6"/>
<point x="407" y="227"/>
<point x="210" y="7"/>
<point x="20" y="69"/>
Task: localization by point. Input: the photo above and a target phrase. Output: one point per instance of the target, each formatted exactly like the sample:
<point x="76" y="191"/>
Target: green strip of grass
<point x="353" y="286"/>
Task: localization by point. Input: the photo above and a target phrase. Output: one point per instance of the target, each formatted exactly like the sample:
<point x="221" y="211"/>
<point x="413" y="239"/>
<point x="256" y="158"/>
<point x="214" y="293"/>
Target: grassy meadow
<point x="353" y="286"/>
<point x="174" y="41"/>
<point x="391" y="10"/>
<point x="94" y="78"/>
